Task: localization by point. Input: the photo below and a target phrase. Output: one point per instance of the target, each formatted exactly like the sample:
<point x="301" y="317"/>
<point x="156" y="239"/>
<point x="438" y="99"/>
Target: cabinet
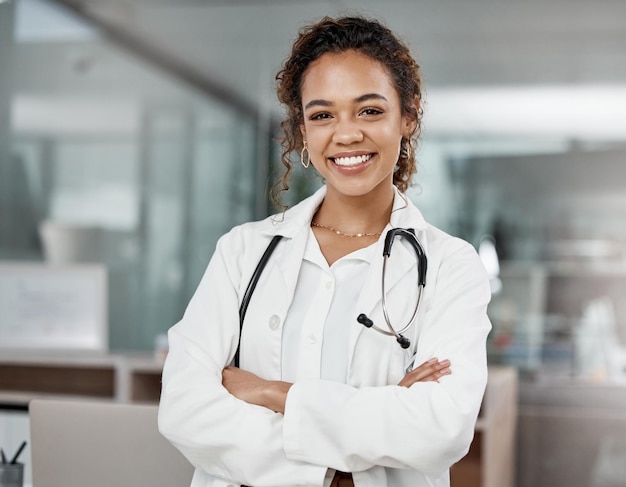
<point x="121" y="378"/>
<point x="571" y="434"/>
<point x="490" y="461"/>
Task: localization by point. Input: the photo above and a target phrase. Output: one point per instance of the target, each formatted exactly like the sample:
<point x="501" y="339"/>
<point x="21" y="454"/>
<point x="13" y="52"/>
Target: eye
<point x="320" y="116"/>
<point x="371" y="111"/>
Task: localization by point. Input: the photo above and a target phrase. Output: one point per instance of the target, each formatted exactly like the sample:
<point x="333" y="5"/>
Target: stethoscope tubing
<point x="409" y="235"/>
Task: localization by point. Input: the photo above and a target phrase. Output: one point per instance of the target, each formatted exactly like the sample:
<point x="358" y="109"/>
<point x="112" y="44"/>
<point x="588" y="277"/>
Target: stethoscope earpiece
<point x="364" y="320"/>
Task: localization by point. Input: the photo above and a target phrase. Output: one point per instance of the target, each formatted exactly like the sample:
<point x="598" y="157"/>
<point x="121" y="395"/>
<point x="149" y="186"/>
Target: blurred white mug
<point x="65" y="243"/>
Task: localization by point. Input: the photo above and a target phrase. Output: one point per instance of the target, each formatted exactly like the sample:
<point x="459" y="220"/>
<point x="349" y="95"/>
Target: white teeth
<point x="352" y="161"/>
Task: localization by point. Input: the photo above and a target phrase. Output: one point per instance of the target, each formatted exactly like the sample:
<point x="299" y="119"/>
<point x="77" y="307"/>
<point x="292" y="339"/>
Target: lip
<point x="355" y="169"/>
<point x="350" y="154"/>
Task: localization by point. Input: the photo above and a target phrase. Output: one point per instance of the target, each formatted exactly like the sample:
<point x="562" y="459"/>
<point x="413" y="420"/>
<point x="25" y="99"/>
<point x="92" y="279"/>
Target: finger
<point x="427" y="372"/>
<point x="408" y="381"/>
<point x="229" y="375"/>
<point x="228" y="372"/>
<point x="226" y="375"/>
<point x="428" y="368"/>
<point x="411" y="379"/>
<point x="423" y="367"/>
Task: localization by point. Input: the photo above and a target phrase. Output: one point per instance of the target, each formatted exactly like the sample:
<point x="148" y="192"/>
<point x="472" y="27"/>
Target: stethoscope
<point x="408" y="234"/>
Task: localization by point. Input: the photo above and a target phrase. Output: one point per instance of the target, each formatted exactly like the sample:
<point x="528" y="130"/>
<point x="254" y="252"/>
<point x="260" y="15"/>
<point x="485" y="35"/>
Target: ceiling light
<point x="577" y="112"/>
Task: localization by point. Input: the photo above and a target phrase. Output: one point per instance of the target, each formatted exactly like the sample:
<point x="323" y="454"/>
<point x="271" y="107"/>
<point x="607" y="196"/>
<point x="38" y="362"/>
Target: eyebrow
<point x="359" y="99"/>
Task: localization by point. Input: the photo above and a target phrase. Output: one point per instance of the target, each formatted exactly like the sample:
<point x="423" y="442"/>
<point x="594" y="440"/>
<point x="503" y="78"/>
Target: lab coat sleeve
<point x="215" y="431"/>
<point x="426" y="427"/>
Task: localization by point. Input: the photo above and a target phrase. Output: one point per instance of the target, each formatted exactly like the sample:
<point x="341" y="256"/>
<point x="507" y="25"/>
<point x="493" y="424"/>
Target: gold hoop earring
<point x="308" y="156"/>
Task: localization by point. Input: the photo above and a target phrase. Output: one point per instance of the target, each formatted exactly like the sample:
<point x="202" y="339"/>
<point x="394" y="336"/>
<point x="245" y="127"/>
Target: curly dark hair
<point x="367" y="37"/>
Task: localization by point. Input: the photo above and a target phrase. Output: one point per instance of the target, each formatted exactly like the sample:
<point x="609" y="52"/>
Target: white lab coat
<point x="385" y="434"/>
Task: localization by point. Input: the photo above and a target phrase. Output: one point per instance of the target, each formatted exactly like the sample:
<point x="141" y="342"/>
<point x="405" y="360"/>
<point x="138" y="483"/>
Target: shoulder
<point x="449" y="257"/>
<point x="247" y="241"/>
<point x="439" y="244"/>
<point x="286" y="224"/>
<point x="243" y="240"/>
<point x="447" y="248"/>
<point x="456" y="265"/>
<point x="445" y="245"/>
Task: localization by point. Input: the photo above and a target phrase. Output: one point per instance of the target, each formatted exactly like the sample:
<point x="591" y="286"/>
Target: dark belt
<point x="342" y="479"/>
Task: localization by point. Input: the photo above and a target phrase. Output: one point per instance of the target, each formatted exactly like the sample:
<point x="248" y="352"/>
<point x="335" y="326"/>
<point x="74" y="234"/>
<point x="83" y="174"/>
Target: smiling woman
<point x="319" y="399"/>
<point x="397" y="73"/>
<point x="353" y="126"/>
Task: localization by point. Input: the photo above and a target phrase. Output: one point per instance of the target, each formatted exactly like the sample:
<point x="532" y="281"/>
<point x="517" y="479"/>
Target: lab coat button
<point x="274" y="322"/>
<point x="329" y="284"/>
<point x="312" y="339"/>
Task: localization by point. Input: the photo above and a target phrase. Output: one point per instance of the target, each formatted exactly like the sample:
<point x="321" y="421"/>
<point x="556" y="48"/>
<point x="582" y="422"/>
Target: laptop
<point x="76" y="443"/>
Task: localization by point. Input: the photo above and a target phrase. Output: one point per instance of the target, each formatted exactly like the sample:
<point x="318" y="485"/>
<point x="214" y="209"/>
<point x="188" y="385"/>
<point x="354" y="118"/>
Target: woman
<point x="319" y="399"/>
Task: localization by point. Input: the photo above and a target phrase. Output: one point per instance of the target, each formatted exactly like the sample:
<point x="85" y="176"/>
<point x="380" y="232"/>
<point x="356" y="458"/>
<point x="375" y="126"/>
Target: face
<point x="353" y="123"/>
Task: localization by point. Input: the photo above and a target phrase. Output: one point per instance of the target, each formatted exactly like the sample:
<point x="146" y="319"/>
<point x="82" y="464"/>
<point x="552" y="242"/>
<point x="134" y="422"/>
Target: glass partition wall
<point x="106" y="159"/>
<point x="100" y="147"/>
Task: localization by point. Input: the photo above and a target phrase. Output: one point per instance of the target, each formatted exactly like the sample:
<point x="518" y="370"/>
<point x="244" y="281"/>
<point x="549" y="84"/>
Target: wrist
<point x="276" y="395"/>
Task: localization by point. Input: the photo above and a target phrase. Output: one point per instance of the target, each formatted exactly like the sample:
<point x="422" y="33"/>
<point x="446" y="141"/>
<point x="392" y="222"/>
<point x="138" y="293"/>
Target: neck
<point x="356" y="214"/>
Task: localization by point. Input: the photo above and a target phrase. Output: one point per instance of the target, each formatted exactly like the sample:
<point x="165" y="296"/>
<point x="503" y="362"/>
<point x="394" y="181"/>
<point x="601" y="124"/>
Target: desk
<point x="108" y="377"/>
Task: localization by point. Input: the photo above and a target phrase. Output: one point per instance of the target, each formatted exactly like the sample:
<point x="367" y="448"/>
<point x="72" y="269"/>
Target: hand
<point x="254" y="390"/>
<point x="431" y="370"/>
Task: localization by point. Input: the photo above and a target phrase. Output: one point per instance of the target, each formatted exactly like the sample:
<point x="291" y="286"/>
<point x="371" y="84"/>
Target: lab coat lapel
<point x="294" y="226"/>
<point x="289" y="260"/>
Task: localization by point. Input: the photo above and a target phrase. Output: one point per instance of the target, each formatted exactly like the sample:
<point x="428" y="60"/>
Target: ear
<point x="408" y="127"/>
<point x="303" y="132"/>
<point x="410" y="119"/>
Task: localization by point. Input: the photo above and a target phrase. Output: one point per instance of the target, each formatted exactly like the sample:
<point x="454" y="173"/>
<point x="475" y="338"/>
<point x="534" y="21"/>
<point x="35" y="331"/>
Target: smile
<point x="352" y="161"/>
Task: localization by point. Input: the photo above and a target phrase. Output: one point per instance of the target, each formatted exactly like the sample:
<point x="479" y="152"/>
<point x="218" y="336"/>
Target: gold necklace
<point x="344" y="234"/>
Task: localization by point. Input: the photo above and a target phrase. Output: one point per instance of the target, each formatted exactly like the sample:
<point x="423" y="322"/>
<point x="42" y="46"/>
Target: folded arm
<point x="273" y="394"/>
<point x="214" y="430"/>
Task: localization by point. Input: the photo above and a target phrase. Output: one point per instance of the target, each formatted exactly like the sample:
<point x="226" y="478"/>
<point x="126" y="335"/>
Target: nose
<point x="347" y="132"/>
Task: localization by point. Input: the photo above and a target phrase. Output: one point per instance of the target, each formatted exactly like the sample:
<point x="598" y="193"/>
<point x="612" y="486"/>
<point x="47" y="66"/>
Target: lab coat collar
<point x="295" y="223"/>
<point x="404" y="214"/>
<point x="292" y="221"/>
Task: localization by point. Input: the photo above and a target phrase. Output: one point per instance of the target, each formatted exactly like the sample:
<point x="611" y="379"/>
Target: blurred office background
<point x="134" y="133"/>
